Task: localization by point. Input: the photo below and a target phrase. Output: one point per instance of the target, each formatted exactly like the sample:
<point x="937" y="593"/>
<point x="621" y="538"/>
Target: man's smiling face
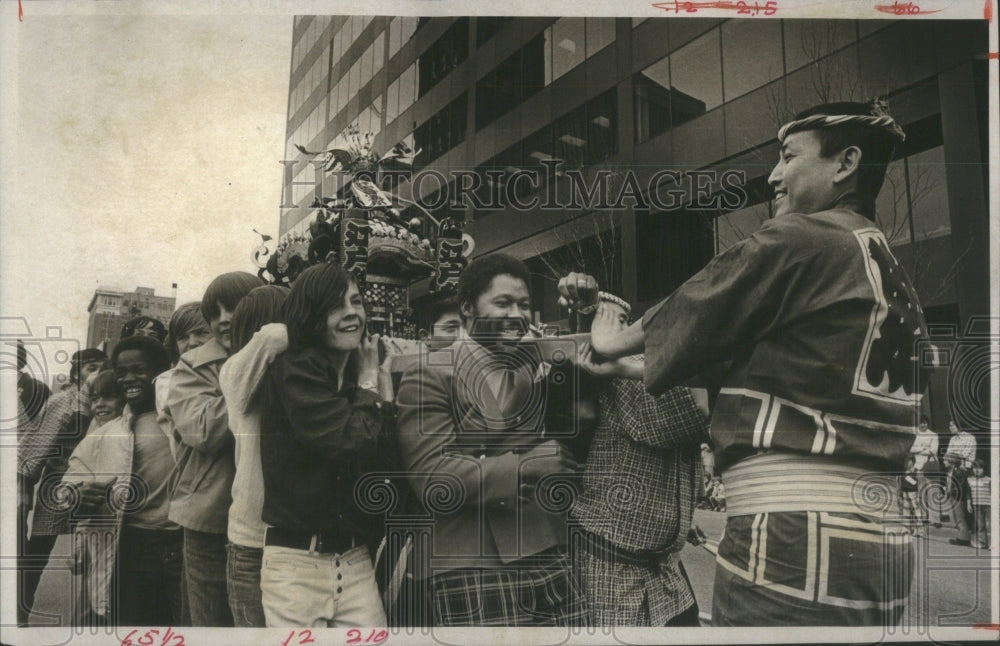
<point x="803" y="180"/>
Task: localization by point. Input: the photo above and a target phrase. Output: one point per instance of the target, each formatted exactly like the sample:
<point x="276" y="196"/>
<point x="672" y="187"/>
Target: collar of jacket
<point x="209" y="352"/>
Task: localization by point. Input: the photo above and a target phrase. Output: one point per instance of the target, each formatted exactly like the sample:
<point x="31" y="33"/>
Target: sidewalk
<point x="952" y="584"/>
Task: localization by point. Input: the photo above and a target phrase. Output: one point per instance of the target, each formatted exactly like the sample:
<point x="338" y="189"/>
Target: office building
<point x="109" y="309"/>
<point x="613" y="96"/>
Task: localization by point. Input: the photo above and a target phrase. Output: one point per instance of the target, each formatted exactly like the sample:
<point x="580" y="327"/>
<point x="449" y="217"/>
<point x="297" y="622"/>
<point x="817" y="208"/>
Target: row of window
<point x="582" y="137"/>
<point x="312" y="35"/>
<point x="444" y="55"/>
<point x="359" y="75"/>
<point x="442" y="132"/>
<point x="715" y="68"/>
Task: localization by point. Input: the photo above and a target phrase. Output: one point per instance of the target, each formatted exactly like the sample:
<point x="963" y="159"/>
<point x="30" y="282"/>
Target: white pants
<point x="308" y="589"/>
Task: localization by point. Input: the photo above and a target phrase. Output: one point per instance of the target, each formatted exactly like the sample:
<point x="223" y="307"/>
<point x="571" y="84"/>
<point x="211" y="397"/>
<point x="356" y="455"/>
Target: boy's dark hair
<point x="184" y="319"/>
<point x="476" y="278"/>
<point x="258" y="308"/>
<point x="314" y="293"/>
<point x="437" y="309"/>
<point x="134" y="324"/>
<point x="156" y="354"/>
<point x="875" y="143"/>
<point x="105" y="384"/>
<point x="81" y="357"/>
<point x="227" y="289"/>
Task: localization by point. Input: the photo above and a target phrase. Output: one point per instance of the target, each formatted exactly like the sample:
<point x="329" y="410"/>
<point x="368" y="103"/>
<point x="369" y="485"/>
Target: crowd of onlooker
<point x="264" y="461"/>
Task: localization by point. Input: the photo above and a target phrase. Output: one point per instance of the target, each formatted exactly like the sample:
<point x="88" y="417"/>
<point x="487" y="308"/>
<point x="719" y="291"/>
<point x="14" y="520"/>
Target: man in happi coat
<point x="821" y="325"/>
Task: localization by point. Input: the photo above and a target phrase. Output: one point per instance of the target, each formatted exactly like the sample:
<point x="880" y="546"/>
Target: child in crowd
<point x="979" y="502"/>
<point x="258" y="338"/>
<point x="187" y="331"/>
<point x="144" y="326"/>
<point x="42" y="456"/>
<point x="106" y="403"/>
<point x="121" y="472"/>
<point x="320" y="433"/>
<point x="205" y="462"/>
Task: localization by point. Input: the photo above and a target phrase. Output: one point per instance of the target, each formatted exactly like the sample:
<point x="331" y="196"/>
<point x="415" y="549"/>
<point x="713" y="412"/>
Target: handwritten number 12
<point x="305" y="637"/>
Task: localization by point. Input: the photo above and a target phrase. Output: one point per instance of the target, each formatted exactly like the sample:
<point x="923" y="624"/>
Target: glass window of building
<point x="409" y="27"/>
<point x="367" y="59"/>
<point x="442" y="132"/>
<point x="891" y="209"/>
<point x="407" y="88"/>
<point x="741" y="72"/>
<point x="395" y="35"/>
<point x="379" y="54"/>
<point x="600" y="34"/>
<point x="572" y="137"/>
<point x="696" y="78"/>
<point x="487" y="27"/>
<point x="602" y="126"/>
<point x="392" y="102"/>
<point x="928" y="186"/>
<point x="355" y="78"/>
<point x="807" y="41"/>
<point x="565" y="47"/>
<point x="376" y="108"/>
<point x="511" y="82"/>
<point x="448" y="52"/>
<point x="674" y="245"/>
<point x="652" y="100"/>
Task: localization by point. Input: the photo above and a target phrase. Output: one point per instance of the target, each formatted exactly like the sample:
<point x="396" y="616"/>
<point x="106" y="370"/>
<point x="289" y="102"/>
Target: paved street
<point x="953" y="585"/>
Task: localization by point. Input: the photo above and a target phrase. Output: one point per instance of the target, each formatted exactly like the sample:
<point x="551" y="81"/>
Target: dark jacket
<point x="464" y="448"/>
<point x="316" y="443"/>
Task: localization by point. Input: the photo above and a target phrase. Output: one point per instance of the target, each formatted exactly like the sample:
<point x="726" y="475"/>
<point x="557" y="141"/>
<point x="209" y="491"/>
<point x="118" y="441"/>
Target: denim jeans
<point x="243" y="579"/>
<point x="205" y="574"/>
<point x="148" y="577"/>
<point x="312" y="590"/>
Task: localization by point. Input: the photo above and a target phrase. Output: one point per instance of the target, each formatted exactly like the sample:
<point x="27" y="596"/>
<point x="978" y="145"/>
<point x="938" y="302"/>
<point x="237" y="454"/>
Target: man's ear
<point x="465" y="308"/>
<point x="850" y="163"/>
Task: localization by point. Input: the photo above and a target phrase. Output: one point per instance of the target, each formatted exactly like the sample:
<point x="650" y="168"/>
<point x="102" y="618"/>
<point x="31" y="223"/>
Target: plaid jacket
<point x="644" y="468"/>
<point x="43" y="452"/>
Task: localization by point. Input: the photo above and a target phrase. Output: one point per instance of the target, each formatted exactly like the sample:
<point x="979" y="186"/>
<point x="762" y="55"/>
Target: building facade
<point x="665" y="107"/>
<point x="109" y="309"/>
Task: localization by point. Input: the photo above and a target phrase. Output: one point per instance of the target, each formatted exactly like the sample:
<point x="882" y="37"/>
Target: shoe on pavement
<point x="959" y="541"/>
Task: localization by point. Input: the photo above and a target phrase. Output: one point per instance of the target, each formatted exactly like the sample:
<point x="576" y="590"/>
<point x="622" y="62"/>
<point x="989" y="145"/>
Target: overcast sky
<point x="145" y="150"/>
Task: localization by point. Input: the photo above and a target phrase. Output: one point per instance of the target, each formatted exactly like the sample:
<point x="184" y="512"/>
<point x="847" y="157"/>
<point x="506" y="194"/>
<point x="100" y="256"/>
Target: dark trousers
<point x="148" y="577"/>
<point x="243" y="579"/>
<point x="32" y="555"/>
<point x="205" y="575"/>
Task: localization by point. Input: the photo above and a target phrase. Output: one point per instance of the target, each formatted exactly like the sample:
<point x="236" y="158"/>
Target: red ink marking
<point x="20" y="11"/>
<point x="904" y="9"/>
<point x="987" y="10"/>
<point x="149" y="637"/>
<point x="743" y="7"/>
<point x="986" y="626"/>
<point x="354" y="636"/>
<point x="305" y="637"/>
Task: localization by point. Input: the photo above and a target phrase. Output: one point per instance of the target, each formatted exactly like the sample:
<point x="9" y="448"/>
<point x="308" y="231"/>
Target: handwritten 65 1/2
<point x="148" y="638"/>
<point x="354" y="636"/>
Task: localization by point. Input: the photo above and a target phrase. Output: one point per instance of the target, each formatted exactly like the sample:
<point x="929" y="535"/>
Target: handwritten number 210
<point x="374" y="637"/>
